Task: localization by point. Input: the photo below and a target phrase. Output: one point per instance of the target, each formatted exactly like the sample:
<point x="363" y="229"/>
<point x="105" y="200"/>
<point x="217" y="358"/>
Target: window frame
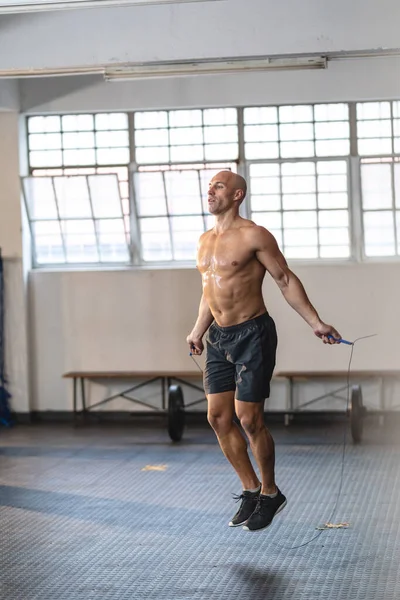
<point x="355" y="209"/>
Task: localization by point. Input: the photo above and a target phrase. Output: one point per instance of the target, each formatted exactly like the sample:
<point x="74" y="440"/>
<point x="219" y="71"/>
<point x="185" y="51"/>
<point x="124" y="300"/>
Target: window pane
<point x="150" y="194"/>
<point x="332" y="131"/>
<point x="113" y="156"/>
<point x="112" y="240"/>
<point x="183" y="193"/>
<point x="299" y="201"/>
<point x="156" y="156"/>
<point x="331" y="112"/>
<point x="72" y="196"/>
<point x="379" y="233"/>
<point x="332" y="183"/>
<point x="373" y="110"/>
<point x="374" y="147"/>
<point x="78" y="140"/>
<point x="261" y="133"/>
<point x="151" y="120"/>
<point x="48" y="242"/>
<point x="397" y="183"/>
<point x="77" y="123"/>
<point x="104" y="194"/>
<point x="374" y="129"/>
<point x="265" y="114"/>
<point x="293" y="114"/>
<point x="79" y="157"/>
<point x="221" y="152"/>
<point x="40" y="198"/>
<point x="302" y="131"/>
<point x="220" y="116"/>
<point x="111" y="121"/>
<point x="44" y="124"/>
<point x="331" y="236"/>
<point x="80" y="241"/>
<point x="376" y="183"/>
<point x="50" y="158"/>
<point x="299" y="219"/>
<point x="152" y="137"/>
<point x="217" y="135"/>
<point x="185" y="234"/>
<point x="332" y="200"/>
<point x="300" y="237"/>
<point x="298" y="184"/>
<point x="45" y="141"/>
<point x="335" y="251"/>
<point x="267" y="150"/>
<point x="261" y="203"/>
<point x="333" y="218"/>
<point x="297" y="149"/>
<point x="332" y="148"/>
<point x="301" y="252"/>
<point x="112" y="139"/>
<point x="265" y="185"/>
<point x="155" y="239"/>
<point x="187" y="135"/>
<point x="185" y="118"/>
<point x="187" y="153"/>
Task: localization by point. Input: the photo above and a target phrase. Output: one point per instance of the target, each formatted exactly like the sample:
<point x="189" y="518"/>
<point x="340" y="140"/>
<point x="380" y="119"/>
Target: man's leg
<point x="220" y="416"/>
<point x="251" y="416"/>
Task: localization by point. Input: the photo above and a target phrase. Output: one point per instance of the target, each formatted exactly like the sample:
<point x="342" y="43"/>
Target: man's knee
<point x="220" y="421"/>
<point x="252" y="422"/>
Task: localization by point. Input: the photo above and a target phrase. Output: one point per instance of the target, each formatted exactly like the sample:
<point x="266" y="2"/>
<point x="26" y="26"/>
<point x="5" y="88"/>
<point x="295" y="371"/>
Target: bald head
<point x="234" y="181"/>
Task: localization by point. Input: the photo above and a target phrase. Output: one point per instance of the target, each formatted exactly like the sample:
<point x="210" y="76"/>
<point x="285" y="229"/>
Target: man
<point x="241" y="341"/>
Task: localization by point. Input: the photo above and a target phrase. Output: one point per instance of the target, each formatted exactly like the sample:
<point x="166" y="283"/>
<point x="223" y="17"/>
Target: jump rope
<point x="333" y="513"/>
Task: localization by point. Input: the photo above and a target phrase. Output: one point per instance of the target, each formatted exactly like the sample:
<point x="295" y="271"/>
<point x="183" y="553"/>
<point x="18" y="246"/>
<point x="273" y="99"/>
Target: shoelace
<point x="260" y="503"/>
<point x="241" y="496"/>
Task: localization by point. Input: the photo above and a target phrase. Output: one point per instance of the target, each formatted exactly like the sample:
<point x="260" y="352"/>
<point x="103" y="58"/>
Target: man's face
<point x="220" y="194"/>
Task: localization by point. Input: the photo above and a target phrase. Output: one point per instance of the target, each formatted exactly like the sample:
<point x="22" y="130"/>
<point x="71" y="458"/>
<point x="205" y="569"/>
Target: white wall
<point x="197" y="30"/>
<point x="11" y="244"/>
<point x="9" y="94"/>
<point x="10" y="208"/>
<point x="349" y="80"/>
<point x="139" y="319"/>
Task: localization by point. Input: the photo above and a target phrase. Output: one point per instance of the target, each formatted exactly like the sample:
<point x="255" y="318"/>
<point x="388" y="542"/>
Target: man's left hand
<point x="323" y="330"/>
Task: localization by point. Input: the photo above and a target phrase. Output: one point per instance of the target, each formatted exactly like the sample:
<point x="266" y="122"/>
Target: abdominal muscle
<point x="234" y="297"/>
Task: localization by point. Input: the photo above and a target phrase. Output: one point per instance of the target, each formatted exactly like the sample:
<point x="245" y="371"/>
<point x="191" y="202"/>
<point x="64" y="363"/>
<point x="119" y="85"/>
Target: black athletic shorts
<point x="241" y="358"/>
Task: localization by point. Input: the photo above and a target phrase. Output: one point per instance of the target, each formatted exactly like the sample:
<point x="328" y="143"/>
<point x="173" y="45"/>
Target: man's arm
<point x="204" y="320"/>
<point x="269" y="255"/>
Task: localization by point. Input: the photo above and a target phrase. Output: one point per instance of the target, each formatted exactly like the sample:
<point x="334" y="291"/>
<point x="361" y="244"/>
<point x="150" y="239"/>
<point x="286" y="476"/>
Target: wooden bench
<point x="164" y="378"/>
<point x="188" y="378"/>
<point x="356" y="377"/>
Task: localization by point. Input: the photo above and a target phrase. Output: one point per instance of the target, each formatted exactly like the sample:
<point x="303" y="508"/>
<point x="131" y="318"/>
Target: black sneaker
<point x="247" y="507"/>
<point x="265" y="511"/>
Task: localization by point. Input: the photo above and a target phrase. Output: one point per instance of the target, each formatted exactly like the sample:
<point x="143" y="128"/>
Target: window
<point x="378" y="131"/>
<point x="171" y="203"/>
<point x="76" y="219"/>
<point x="178" y="152"/>
<point x="87" y="185"/>
<point x="77" y="196"/>
<point x="303" y="201"/>
<point x="179" y="136"/>
<point x="304" y="205"/>
<point x="302" y="131"/>
<point x="72" y="140"/>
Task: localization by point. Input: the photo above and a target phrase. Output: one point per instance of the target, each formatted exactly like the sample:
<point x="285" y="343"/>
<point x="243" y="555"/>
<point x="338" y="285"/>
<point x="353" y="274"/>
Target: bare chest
<point x="223" y="256"/>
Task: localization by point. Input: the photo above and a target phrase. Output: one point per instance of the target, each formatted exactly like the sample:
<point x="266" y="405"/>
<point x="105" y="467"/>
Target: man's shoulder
<point x="250" y="228"/>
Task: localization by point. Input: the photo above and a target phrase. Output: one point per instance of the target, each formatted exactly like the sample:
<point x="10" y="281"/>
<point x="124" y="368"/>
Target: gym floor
<point x="119" y="512"/>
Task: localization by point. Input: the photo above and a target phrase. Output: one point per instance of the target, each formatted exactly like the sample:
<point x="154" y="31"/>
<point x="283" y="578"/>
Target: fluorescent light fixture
<point x="24" y="6"/>
<point x="176" y="69"/>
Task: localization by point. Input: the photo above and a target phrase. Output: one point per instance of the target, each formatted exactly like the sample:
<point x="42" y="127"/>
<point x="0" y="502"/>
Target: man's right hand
<point x="195" y="344"/>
